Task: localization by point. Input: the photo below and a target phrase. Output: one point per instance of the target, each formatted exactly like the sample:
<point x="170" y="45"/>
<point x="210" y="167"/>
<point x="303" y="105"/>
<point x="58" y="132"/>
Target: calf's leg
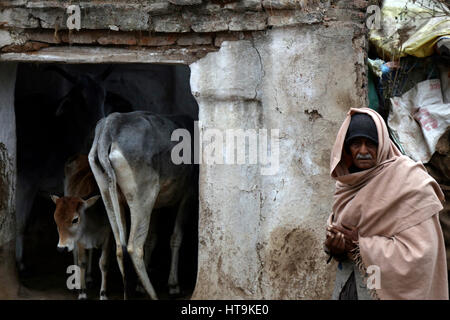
<point x="103" y="263"/>
<point x="89" y="279"/>
<point x="82" y="260"/>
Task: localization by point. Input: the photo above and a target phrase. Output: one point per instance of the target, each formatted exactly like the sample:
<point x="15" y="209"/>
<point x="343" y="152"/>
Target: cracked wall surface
<point x="261" y="235"/>
<point x="8" y="277"/>
<point x="7" y="152"/>
<point x="296" y="66"/>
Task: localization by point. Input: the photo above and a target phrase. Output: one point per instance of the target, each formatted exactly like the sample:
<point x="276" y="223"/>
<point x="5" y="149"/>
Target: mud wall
<point x="261" y="235"/>
<point x="8" y="277"/>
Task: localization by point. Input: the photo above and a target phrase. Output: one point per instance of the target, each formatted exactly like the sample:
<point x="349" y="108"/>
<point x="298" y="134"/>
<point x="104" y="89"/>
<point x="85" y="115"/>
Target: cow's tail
<point x="104" y="148"/>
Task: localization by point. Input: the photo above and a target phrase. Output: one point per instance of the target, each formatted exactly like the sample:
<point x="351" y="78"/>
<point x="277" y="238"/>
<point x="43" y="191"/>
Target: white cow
<point x="131" y="162"/>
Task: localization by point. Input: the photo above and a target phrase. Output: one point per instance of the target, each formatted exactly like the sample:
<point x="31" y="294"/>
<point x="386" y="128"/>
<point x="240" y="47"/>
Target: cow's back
<point x="146" y="135"/>
<point x="143" y="140"/>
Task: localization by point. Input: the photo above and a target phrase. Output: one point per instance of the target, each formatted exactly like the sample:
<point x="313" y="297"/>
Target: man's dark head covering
<point x="363" y="126"/>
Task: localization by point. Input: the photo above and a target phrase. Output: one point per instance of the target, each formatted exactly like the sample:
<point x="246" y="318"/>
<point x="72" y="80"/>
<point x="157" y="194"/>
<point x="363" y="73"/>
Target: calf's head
<point x="70" y="218"/>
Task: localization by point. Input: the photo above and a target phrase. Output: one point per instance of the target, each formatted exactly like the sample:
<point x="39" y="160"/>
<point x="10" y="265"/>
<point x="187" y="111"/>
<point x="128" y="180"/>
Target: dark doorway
<point x="40" y="90"/>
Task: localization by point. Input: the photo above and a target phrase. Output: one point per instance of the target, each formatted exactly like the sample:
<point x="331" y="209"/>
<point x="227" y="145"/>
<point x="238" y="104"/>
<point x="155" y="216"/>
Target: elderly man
<point x="384" y="217"/>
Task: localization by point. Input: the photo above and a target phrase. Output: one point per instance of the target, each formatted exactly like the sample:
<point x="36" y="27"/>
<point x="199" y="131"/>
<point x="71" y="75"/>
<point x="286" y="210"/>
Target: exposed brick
<point x="227" y="36"/>
<point x="17" y="17"/>
<point x="46" y="4"/>
<point x="7" y="3"/>
<point x="360" y="4"/>
<point x="355" y="4"/>
<point x="288" y="17"/>
<point x="185" y="2"/>
<point x="26" y="47"/>
<point x="166" y="18"/>
<point x="152" y="7"/>
<point x="102" y="17"/>
<point x="243" y="5"/>
<point x="248" y="21"/>
<point x="159" y="7"/>
<point x="283" y="4"/>
<point x="157" y="40"/>
<point x="194" y="39"/>
<point x="118" y="39"/>
<point x="170" y="23"/>
<point x="103" y="37"/>
<point x="209" y="8"/>
<point x="346" y="15"/>
<point x="210" y="23"/>
<point x="81" y="37"/>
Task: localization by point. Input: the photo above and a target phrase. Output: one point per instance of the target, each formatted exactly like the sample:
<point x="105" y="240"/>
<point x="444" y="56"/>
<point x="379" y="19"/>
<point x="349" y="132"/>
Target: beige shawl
<point x="394" y="205"/>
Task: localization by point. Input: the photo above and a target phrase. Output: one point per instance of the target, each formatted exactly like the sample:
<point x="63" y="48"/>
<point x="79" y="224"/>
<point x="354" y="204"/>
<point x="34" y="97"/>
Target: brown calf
<point x="82" y="224"/>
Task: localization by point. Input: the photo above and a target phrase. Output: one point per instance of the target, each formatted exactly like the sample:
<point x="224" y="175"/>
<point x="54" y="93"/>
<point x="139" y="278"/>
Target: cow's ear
<point x="90" y="202"/>
<point x="54" y="198"/>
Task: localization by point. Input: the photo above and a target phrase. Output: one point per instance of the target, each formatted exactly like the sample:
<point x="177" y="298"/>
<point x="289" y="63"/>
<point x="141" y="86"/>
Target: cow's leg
<point x="175" y="243"/>
<point x="140" y="221"/>
<point x="149" y="246"/>
<point x="102" y="183"/>
<point x="103" y="263"/>
<point x="26" y="192"/>
<point x="89" y="279"/>
<point x="82" y="260"/>
<point x="140" y="201"/>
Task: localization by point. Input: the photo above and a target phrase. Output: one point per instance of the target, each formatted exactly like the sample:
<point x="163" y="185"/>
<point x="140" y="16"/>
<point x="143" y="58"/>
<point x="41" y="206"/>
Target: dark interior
<point x="163" y="89"/>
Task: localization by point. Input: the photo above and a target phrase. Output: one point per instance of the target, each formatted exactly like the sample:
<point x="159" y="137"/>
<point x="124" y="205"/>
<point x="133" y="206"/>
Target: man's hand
<point x="350" y="235"/>
<point x="335" y="241"/>
<point x="341" y="240"/>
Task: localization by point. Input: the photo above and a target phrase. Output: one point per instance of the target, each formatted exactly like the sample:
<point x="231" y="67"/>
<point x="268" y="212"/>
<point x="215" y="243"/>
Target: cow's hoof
<point x="82" y="296"/>
<point x="174" y="290"/>
<point x="103" y="297"/>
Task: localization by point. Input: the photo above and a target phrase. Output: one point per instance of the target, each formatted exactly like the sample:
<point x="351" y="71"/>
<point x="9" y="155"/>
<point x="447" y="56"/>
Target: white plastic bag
<point x="419" y="118"/>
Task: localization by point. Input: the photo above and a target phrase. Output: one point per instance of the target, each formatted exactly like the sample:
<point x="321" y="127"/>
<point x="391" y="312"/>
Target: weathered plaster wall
<point x="262" y="235"/>
<point x="296" y="66"/>
<point x="7" y="149"/>
<point x="308" y="104"/>
<point x="8" y="277"/>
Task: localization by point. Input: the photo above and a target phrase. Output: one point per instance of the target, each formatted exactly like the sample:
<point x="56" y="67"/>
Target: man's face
<point x="364" y="153"/>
